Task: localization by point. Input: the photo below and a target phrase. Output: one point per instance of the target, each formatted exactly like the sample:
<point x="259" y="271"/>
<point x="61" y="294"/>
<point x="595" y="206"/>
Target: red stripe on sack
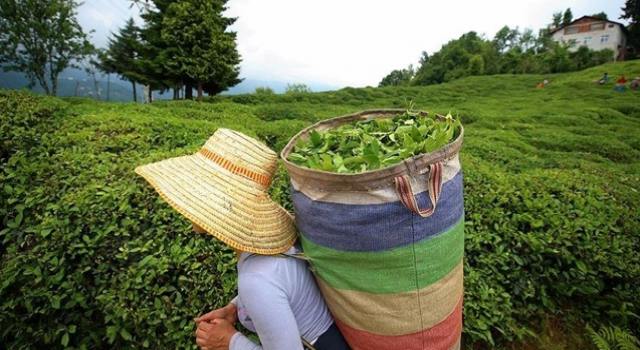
<point x="443" y="336"/>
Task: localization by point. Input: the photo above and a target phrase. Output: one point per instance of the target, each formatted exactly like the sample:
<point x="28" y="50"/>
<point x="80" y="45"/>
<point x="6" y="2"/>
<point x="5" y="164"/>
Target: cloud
<point x="105" y="17"/>
<point x="353" y="42"/>
<point x="358" y="42"/>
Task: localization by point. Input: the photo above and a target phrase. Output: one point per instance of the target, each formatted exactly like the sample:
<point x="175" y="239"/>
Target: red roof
<point x="594" y="19"/>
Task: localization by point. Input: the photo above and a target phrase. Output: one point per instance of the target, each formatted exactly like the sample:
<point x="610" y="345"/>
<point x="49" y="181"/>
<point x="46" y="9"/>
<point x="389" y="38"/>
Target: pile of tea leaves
<point x="373" y="144"/>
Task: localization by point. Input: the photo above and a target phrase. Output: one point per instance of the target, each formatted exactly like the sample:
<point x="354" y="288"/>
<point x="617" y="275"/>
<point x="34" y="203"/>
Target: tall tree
<point x="507" y="39"/>
<point x="155" y="52"/>
<point x="556" y="20"/>
<point x="527" y="39"/>
<point x="91" y="66"/>
<point x="631" y="12"/>
<point x="121" y="55"/>
<point x="205" y="51"/>
<point x="41" y="39"/>
<point x="567" y="17"/>
<point x="543" y="41"/>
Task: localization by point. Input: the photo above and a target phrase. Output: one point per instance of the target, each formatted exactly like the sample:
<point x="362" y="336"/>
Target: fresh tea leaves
<point x="373" y="144"/>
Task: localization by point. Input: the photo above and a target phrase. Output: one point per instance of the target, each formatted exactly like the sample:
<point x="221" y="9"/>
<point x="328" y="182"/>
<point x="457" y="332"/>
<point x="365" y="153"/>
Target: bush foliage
<point x="93" y="258"/>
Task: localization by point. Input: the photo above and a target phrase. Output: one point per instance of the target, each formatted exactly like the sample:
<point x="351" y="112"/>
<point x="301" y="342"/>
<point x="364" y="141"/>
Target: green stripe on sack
<point x="398" y="270"/>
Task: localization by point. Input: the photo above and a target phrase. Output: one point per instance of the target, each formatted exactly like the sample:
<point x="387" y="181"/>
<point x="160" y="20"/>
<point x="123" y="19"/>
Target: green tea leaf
<point x="65" y="339"/>
<point x="315" y="138"/>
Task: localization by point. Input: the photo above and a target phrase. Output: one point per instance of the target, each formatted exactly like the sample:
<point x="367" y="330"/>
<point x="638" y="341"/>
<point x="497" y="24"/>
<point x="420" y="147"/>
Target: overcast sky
<point x="353" y="42"/>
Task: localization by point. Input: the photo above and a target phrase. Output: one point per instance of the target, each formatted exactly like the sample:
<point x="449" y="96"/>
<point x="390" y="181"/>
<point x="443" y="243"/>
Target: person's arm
<point x="229" y="313"/>
<point x="271" y="313"/>
<point x="215" y="335"/>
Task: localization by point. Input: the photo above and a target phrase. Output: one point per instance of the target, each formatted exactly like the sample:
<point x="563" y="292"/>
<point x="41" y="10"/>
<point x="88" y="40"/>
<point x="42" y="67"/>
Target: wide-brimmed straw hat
<point x="223" y="189"/>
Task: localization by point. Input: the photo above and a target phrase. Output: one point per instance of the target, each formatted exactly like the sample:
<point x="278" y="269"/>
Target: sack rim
<point x="372" y="179"/>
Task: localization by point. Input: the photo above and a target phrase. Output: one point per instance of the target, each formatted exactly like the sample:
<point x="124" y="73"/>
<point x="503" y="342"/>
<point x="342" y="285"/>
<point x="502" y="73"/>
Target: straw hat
<point x="223" y="189"/>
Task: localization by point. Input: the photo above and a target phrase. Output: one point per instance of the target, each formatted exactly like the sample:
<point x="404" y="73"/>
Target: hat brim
<point x="229" y="206"/>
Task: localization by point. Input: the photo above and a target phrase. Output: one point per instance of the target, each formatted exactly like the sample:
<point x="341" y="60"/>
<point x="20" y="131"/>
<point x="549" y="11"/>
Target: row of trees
<point x="511" y="51"/>
<point x="41" y="39"/>
<point x="183" y="43"/>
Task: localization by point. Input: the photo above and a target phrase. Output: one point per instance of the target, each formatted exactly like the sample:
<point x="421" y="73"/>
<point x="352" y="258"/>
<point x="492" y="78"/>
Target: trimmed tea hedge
<point x="92" y="258"/>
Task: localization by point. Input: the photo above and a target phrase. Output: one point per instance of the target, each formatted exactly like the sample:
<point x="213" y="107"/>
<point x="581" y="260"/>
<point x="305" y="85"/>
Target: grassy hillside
<point x="93" y="258"/>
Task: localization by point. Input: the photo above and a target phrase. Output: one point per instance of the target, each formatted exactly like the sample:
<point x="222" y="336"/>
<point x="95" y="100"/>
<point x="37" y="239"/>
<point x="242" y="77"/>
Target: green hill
<point x="92" y="258"/>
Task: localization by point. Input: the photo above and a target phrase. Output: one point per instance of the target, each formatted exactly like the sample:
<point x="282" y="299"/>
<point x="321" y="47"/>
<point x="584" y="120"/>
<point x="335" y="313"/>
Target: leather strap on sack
<point x="408" y="198"/>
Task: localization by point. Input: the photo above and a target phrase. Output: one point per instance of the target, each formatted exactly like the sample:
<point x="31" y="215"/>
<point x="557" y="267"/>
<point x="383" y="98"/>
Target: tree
<point x="453" y="60"/>
<point x="506" y="39"/>
<point x="263" y="90"/>
<point x="631" y="12"/>
<point x="121" y="56"/>
<point x="91" y="66"/>
<point x="476" y="65"/>
<point x="143" y="5"/>
<point x="556" y="20"/>
<point x="544" y="42"/>
<point x="398" y="77"/>
<point x="41" y="39"/>
<point x="424" y="58"/>
<point x="297" y="88"/>
<point x="558" y="59"/>
<point x="527" y="39"/>
<point x="155" y="53"/>
<point x="600" y="15"/>
<point x="567" y="17"/>
<point x="204" y="50"/>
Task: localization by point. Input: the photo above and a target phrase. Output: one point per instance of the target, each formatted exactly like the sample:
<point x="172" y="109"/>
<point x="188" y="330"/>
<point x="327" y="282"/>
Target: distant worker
<point x="622" y="80"/>
<point x="635" y="83"/>
<point x="604" y="79"/>
<point x="621" y="84"/>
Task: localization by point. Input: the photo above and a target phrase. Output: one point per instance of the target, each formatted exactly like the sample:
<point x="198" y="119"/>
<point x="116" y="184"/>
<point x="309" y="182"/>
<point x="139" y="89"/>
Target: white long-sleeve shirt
<point x="278" y="299"/>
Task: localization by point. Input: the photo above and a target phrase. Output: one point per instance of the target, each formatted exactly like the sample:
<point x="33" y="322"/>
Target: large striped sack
<point x="386" y="246"/>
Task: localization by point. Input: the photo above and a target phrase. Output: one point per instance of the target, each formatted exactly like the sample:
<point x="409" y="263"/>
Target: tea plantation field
<point x="92" y="258"/>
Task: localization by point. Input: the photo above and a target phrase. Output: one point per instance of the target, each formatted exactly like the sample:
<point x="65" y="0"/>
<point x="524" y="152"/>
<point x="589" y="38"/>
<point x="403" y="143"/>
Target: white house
<point x="596" y="34"/>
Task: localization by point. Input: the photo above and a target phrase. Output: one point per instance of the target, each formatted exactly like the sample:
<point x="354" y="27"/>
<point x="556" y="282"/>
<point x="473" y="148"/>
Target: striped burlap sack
<point x="386" y="245"/>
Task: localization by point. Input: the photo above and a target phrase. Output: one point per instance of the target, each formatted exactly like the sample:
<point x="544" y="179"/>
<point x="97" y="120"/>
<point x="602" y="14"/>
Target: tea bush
<point x="91" y="256"/>
<point x="542" y="242"/>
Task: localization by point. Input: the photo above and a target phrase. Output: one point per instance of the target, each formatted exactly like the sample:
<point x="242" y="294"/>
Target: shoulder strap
<point x="297" y="255"/>
<point x="307" y="345"/>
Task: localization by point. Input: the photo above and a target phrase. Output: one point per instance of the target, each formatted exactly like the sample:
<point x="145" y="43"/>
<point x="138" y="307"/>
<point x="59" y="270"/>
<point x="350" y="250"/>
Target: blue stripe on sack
<point x="376" y="227"/>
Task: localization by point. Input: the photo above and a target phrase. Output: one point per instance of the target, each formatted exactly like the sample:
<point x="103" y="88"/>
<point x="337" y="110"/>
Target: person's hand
<point x="215" y="335"/>
<point x="228" y="313"/>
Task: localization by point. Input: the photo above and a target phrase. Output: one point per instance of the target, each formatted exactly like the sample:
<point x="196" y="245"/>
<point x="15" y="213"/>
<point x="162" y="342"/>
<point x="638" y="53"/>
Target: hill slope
<point x="90" y="253"/>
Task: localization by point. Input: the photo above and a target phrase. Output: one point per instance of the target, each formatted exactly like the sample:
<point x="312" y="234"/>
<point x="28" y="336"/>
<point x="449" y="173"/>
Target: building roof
<point x="595" y="19"/>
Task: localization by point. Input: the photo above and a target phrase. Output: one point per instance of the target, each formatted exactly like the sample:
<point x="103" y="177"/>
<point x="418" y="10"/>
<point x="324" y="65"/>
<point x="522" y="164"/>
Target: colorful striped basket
<point x="386" y="245"/>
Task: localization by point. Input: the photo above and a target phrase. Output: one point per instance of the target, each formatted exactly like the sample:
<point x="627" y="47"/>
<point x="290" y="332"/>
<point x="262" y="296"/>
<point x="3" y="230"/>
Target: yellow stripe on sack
<point x="396" y="314"/>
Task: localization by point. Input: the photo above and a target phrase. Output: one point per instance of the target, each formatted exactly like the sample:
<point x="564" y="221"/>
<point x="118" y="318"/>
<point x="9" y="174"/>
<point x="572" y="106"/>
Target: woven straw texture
<point x="392" y="278"/>
<point x="223" y="189"/>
